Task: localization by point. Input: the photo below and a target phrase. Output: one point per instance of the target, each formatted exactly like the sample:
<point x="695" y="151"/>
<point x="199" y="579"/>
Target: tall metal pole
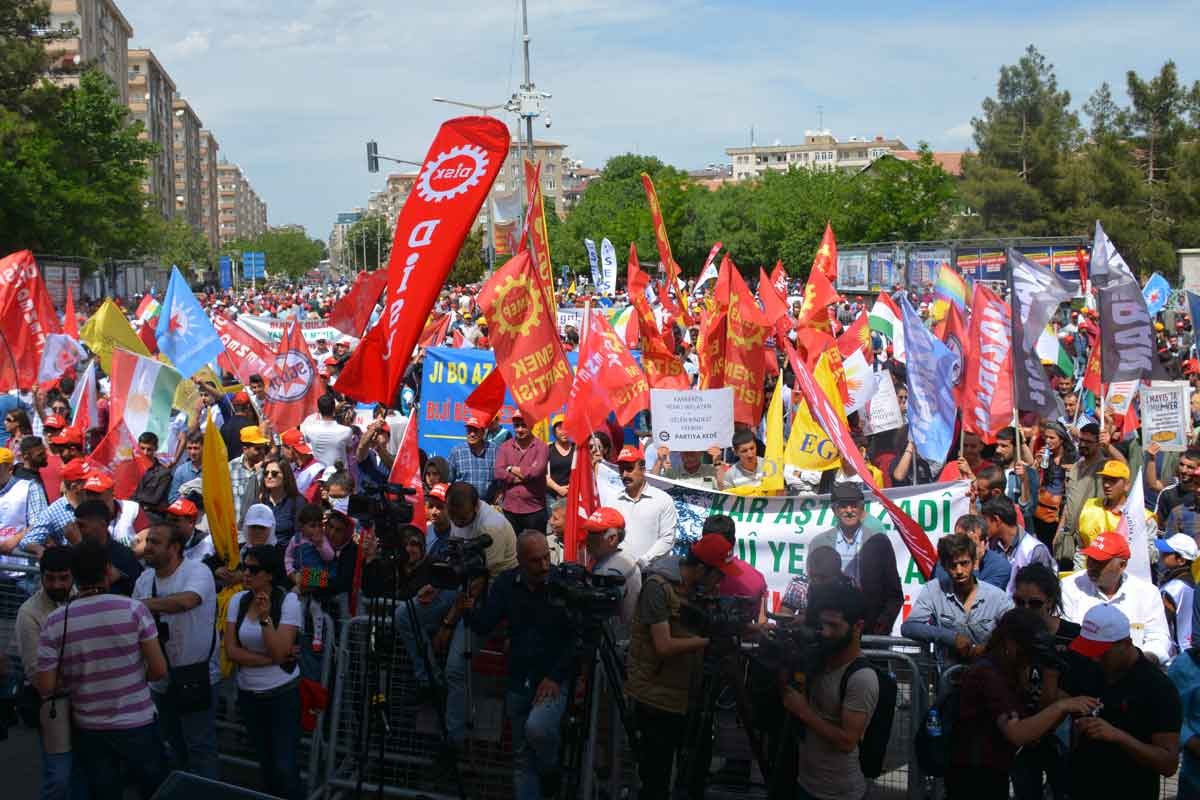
<point x="528" y="85"/>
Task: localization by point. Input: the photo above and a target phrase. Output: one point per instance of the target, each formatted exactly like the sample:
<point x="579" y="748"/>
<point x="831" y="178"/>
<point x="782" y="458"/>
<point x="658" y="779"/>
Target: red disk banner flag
<point x="539" y="241"/>
<point x="293" y="388"/>
<point x="987" y="384"/>
<point x="352" y="312"/>
<point x="524" y="336"/>
<point x="458" y="172"/>
<point x="27" y="317"/>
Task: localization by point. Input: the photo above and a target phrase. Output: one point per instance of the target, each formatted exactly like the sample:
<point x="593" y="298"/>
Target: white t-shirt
<point x="330" y="440"/>
<point x="306" y="476"/>
<point x="261" y="679"/>
<point x="192" y="631"/>
<point x="122" y="528"/>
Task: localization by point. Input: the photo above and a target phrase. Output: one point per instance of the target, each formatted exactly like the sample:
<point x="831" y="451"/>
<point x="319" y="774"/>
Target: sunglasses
<point x="1033" y="604"/>
<point x="272" y="473"/>
<point x="254" y="569"/>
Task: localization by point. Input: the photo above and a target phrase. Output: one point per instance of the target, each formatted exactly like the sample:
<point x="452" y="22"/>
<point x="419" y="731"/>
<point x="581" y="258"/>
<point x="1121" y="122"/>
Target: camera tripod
<point x="594" y="647"/>
<point x="721" y="667"/>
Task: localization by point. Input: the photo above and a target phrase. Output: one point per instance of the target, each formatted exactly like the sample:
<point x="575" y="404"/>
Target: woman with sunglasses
<point x="279" y="493"/>
<point x="17" y="425"/>
<point x="260" y="634"/>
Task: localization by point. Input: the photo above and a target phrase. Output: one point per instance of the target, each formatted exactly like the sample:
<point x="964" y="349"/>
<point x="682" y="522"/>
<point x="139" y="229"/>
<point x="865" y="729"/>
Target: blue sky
<point x="293" y="88"/>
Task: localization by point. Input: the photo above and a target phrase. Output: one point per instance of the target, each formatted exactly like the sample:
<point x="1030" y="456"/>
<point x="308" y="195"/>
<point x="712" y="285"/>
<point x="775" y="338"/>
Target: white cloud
<point x="194" y="44"/>
<point x="961" y="131"/>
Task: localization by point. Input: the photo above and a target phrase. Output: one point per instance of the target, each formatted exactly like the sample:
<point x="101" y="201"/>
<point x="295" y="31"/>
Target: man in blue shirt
<point x="189" y="468"/>
<point x="990" y="566"/>
<point x="475" y="461"/>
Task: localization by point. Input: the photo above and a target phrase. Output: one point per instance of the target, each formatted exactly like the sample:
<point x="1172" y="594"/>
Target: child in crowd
<point x="311" y="564"/>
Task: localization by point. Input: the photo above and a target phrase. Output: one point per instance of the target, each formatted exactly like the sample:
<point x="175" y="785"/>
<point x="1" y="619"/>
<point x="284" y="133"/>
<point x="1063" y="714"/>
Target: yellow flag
<point x="808" y="446"/>
<point x="108" y="328"/>
<point x="773" y="481"/>
<point x="217" y="489"/>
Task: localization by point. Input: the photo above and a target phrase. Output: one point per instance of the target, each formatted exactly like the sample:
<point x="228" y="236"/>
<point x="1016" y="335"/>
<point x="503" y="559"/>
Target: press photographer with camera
<point x="605" y="532"/>
<point x="540" y="661"/>
<point x="665" y="657"/>
<point x="834" y="718"/>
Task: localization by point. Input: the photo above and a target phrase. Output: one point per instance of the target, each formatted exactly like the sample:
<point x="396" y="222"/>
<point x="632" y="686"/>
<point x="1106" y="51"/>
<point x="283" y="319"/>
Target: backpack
<point x="873" y="747"/>
<point x="933" y="752"/>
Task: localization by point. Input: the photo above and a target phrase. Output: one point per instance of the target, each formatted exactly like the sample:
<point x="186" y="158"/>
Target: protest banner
<point x="1120" y="396"/>
<point x="686" y="420"/>
<point x="773" y="533"/>
<point x="270" y="329"/>
<point x="1166" y="415"/>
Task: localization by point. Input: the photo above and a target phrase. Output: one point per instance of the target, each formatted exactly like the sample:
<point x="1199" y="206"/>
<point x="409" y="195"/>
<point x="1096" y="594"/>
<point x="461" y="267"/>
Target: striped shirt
<point x="103" y="667"/>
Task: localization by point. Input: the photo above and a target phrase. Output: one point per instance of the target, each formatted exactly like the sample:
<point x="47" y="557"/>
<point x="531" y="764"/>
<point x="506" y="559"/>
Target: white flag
<point x="60" y="354"/>
<point x="85" y="394"/>
<point x="1133" y="520"/>
<point x="608" y="268"/>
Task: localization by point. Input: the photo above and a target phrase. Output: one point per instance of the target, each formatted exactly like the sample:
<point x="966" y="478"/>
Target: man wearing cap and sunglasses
<point x="1106" y="582"/>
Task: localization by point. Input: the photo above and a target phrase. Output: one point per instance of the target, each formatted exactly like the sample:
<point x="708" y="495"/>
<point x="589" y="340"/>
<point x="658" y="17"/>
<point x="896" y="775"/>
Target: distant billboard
<point x="349" y="218"/>
<point x="924" y="264"/>
<point x="852" y="271"/>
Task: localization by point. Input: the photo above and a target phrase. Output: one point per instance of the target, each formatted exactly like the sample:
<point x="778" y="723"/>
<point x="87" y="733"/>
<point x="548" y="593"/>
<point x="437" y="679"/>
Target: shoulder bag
<point x="55" y="712"/>
<point x="189" y="687"/>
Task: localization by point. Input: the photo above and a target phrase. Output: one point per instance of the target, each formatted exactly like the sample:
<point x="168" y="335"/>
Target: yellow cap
<point x="6" y="455"/>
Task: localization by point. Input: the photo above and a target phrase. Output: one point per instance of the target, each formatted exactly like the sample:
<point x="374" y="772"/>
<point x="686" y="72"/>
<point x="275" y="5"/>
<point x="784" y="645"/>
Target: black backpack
<point x="933" y="752"/>
<point x="873" y="747"/>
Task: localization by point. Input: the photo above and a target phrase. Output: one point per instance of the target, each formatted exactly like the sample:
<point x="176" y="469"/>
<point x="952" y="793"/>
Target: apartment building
<point x="185" y="145"/>
<point x="241" y="213"/>
<point x="151" y="96"/>
<point x="820" y="150"/>
<point x="97" y="34"/>
<point x="208" y="188"/>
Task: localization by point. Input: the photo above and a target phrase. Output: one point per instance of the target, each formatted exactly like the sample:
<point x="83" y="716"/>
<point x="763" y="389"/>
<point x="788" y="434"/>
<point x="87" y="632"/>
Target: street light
<point x="476" y="106"/>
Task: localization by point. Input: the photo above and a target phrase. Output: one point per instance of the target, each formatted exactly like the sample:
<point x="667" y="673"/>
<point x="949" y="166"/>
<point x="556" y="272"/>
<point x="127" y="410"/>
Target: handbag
<point x="54" y="715"/>
<point x="189" y="687"/>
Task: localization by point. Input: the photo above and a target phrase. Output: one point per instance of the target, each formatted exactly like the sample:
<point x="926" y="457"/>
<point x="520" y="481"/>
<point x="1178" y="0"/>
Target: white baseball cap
<point x="1180" y="544"/>
<point x="259" y="514"/>
<point x="1103" y="626"/>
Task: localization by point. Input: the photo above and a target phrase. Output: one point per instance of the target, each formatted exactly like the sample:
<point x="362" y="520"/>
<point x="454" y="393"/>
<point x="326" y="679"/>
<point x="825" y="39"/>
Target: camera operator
<point x="834" y="724"/>
<point x="540" y="662"/>
<point x="605" y="532"/>
<point x="664" y="657"/>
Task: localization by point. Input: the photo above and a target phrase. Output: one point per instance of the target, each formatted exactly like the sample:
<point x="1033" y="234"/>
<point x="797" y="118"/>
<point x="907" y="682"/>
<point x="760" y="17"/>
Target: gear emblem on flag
<point x="451" y="173"/>
<point x="519" y="313"/>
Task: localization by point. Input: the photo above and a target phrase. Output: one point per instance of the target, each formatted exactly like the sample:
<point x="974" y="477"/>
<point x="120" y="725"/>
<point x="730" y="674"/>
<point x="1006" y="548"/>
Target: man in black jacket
<point x="867" y="558"/>
<point x="155" y="483"/>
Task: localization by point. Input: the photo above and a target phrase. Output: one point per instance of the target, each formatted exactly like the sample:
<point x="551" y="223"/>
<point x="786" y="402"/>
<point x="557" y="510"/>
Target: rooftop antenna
<point x="821" y="117"/>
<point x="752" y="136"/>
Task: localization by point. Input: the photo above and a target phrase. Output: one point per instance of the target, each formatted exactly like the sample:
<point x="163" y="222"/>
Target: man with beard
<point x="957" y="611"/>
<point x="1182" y="491"/>
<point x="835" y="710"/>
<point x="867" y="557"/>
<point x="1020" y="479"/>
<point x="55" y="566"/>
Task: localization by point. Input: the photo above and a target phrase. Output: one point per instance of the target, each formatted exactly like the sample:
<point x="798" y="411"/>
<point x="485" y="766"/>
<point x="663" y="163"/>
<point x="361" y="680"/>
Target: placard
<point x="1166" y="415"/>
<point x="692" y="420"/>
<point x="883" y="409"/>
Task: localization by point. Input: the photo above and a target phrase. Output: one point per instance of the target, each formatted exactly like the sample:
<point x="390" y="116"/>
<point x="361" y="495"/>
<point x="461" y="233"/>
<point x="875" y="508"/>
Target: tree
<point x="24" y="58"/>
<point x="176" y="242"/>
<point x="1156" y="118"/>
<point x="288" y="251"/>
<point x="371" y="240"/>
<point x="471" y="263"/>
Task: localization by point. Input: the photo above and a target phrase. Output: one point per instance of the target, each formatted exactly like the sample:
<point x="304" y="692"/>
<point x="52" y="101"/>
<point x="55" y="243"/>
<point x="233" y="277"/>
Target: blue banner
<point x="225" y="272"/>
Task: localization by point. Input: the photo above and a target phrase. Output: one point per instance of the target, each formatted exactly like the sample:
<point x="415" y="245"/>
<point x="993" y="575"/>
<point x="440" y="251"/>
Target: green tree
<point x="471" y="263"/>
<point x="371" y="240"/>
<point x="176" y="242"/>
<point x="288" y="251"/>
<point x="23" y="54"/>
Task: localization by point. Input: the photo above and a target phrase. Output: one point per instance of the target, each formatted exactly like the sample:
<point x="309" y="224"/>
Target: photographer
<point x="664" y="657"/>
<point x="834" y="721"/>
<point x="539" y="662"/>
<point x="605" y="532"/>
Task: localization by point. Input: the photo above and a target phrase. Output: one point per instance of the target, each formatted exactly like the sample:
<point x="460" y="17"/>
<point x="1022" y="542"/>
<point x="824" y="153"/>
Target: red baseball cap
<point x="332" y="361"/>
<point x="1191" y="366"/>
<point x="631" y="453"/>
<point x="183" y="508"/>
<point x="295" y="440"/>
<point x="602" y="519"/>
<point x="241" y="398"/>
<point x="75" y="470"/>
<point x="68" y="436"/>
<point x="1106" y="545"/>
<point x="97" y="482"/>
<point x="715" y="551"/>
<point x="54" y="421"/>
<point x="437" y="492"/>
<point x="477" y="419"/>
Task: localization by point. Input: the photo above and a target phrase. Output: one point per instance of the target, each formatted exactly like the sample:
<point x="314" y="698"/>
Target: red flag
<point x="434" y="333"/>
<point x="663" y="368"/>
<point x="825" y="260"/>
<point x="457" y="340"/>
<point x="245" y="354"/>
<point x="856" y="337"/>
<point x="352" y="312"/>
<point x="117" y="454"/>
<point x="774" y="304"/>
<point x="488" y="397"/>
<point x="148" y="337"/>
<point x="27" y="316"/>
<point x="460" y="167"/>
<point x="711" y="351"/>
<point x="361" y="378"/>
<point x="406" y="471"/>
<point x="954" y="336"/>
<point x="607" y="379"/>
<point x="834" y="425"/>
<point x="745" y="368"/>
<point x="779" y="279"/>
<point x="582" y="500"/>
<point x="660" y="231"/>
<point x="1091" y="373"/>
<point x="293" y="387"/>
<point x="525" y="339"/>
<point x="819" y="294"/>
<point x="987" y="384"/>
<point x="539" y="241"/>
<point x="70" y="321"/>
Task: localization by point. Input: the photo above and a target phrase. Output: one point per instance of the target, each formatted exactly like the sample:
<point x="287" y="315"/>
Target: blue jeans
<point x="429" y="619"/>
<point x="59" y="780"/>
<point x="535" y="737"/>
<point x="192" y="737"/>
<point x="456" y="683"/>
<point x="107" y="757"/>
<point x="273" y="725"/>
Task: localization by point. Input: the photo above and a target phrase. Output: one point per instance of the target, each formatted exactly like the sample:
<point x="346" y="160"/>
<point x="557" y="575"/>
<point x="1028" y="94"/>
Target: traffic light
<point x="372" y="156"/>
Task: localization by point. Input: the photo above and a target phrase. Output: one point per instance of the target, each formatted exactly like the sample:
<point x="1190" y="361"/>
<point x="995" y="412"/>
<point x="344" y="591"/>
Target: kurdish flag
<point x="625" y="324"/>
<point x="1051" y="351"/>
<point x="148" y="309"/>
<point x="885" y="319"/>
<point x="951" y="288"/>
<point x="142" y="393"/>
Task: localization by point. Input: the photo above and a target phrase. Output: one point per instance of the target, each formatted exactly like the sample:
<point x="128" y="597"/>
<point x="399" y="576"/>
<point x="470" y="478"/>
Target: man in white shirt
<point x="330" y="440"/>
<point x="182" y="596"/>
<point x="649" y="513"/>
<point x="1105" y="581"/>
<point x="306" y="468"/>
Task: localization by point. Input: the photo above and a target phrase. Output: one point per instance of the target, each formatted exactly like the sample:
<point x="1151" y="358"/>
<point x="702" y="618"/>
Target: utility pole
<point x="527" y="86"/>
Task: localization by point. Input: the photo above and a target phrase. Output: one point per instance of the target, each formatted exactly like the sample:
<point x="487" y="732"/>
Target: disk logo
<point x="451" y="173"/>
<point x="293" y="378"/>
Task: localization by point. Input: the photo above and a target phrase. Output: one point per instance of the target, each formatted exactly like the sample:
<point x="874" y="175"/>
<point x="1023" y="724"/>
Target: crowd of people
<point x="1077" y="674"/>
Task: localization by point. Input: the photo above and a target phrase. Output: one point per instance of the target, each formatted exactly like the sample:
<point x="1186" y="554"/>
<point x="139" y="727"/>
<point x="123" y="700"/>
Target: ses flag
<point x="931" y="407"/>
<point x="184" y="333"/>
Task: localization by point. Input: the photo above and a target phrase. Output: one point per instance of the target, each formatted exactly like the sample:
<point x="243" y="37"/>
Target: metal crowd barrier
<point x="18" y="580"/>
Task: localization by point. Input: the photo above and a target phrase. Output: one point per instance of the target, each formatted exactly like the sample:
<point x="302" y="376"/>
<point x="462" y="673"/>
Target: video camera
<point x="715" y="616"/>
<point x="464" y="560"/>
<point x="571" y="586"/>
<point x="385" y="509"/>
<point x="790" y="646"/>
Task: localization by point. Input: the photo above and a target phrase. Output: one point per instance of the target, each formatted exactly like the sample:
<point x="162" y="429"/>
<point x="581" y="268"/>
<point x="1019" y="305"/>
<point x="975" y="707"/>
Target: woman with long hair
<point x="562" y="456"/>
<point x="1053" y="459"/>
<point x="279" y="493"/>
<point x="17" y="425"/>
<point x="260" y="631"/>
<point x="990" y="727"/>
<point x="437" y="470"/>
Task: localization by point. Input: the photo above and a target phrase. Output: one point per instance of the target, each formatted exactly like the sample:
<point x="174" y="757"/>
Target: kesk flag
<point x="1126" y="329"/>
<point x="142" y="393"/>
<point x="582" y="501"/>
<point x="885" y="319"/>
<point x="184" y="333"/>
<point x="539" y="240"/>
<point x="745" y="367"/>
<point x="406" y="471"/>
<point x="834" y="425"/>
<point x="245" y="354"/>
<point x="826" y="258"/>
<point x="607" y="378"/>
<point x="108" y="329"/>
<point x="352" y="312"/>
<point x="27" y="317"/>
<point x="117" y="453"/>
<point x="987" y="394"/>
<point x="293" y="388"/>
<point x="1036" y="295"/>
<point x="458" y="172"/>
<point x="931" y="407"/>
<point x="60" y="354"/>
<point x="525" y="338"/>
